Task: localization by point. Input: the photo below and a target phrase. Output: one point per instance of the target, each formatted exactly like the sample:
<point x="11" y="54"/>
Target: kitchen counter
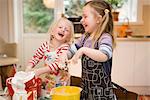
<point x="129" y="38"/>
<point x="8" y="61"/>
<point x="134" y="39"/>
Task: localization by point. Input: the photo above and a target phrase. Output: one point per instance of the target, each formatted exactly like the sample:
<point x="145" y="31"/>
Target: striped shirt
<point x="52" y="59"/>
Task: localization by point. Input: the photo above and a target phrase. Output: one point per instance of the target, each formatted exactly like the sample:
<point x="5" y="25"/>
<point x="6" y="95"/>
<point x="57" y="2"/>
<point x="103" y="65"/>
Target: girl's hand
<point x="32" y="69"/>
<point x="37" y="72"/>
<point x="78" y="55"/>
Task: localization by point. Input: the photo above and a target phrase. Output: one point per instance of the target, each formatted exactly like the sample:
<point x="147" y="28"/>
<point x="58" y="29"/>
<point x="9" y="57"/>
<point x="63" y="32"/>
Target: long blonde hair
<point x="55" y="24"/>
<point x="106" y="26"/>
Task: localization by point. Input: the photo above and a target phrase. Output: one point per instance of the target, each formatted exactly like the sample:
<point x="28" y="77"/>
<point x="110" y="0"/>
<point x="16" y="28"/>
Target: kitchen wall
<point x="6" y="20"/>
<point x="142" y="28"/>
<point x="147" y="17"/>
<point x="10" y="49"/>
<point x="2" y="43"/>
<point x="145" y="28"/>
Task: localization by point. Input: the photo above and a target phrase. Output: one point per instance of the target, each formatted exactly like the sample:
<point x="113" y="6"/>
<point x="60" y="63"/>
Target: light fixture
<point x="49" y="3"/>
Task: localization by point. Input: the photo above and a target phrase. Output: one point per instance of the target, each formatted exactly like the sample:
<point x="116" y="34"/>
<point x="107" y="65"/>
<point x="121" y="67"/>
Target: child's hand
<point x="36" y="71"/>
<point x="77" y="55"/>
<point x="73" y="60"/>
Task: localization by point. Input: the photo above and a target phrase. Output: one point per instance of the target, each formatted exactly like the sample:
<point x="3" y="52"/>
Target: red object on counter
<point x="33" y="87"/>
<point x="39" y="84"/>
<point x="8" y="84"/>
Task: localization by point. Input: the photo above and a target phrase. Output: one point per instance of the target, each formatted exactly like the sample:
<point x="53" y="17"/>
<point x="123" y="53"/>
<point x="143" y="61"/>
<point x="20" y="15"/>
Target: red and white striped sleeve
<point x="39" y="53"/>
<point x="61" y="53"/>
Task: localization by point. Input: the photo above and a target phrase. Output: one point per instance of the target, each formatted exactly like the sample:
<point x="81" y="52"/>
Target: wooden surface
<point x="8" y="61"/>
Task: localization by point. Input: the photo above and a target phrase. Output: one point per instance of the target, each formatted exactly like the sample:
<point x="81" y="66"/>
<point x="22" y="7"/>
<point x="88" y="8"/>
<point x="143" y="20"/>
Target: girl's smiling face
<point x="62" y="32"/>
<point x="90" y="19"/>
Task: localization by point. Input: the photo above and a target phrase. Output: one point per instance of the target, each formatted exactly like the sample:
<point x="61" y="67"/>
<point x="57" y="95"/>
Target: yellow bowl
<point x="66" y="93"/>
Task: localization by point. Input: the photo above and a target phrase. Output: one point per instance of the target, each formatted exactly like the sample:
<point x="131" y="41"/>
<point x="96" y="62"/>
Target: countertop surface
<point x="129" y="38"/>
<point x="133" y="39"/>
<point x="8" y="61"/>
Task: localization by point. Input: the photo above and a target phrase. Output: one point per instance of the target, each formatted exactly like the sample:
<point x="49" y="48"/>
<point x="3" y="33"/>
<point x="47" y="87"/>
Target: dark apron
<point x="96" y="82"/>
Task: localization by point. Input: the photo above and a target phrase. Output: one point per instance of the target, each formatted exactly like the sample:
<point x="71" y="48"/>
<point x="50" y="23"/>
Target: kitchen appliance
<point x="78" y="28"/>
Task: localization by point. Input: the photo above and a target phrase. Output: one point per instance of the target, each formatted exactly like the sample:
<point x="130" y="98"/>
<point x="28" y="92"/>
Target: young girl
<point x="54" y="54"/>
<point x="95" y="47"/>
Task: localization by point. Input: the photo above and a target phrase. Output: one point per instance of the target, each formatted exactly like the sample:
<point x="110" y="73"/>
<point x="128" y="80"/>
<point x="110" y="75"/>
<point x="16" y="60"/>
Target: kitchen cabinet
<point x="148" y="63"/>
<point x="123" y="62"/>
<point x="140" y="75"/>
<point x="7" y="69"/>
<point x="8" y="58"/>
<point x="131" y="62"/>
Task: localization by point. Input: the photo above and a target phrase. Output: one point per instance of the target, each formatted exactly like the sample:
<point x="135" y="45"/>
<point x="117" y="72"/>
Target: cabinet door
<point x="149" y="63"/>
<point x="141" y="67"/>
<point x="123" y="60"/>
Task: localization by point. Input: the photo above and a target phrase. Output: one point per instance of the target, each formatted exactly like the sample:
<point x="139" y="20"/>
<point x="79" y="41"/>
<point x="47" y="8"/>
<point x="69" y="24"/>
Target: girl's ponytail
<point x="102" y="26"/>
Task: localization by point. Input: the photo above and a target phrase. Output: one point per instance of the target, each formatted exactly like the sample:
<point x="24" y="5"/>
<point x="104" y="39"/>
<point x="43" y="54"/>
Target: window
<point x="73" y="7"/>
<point x="36" y="17"/>
<point x="131" y="9"/>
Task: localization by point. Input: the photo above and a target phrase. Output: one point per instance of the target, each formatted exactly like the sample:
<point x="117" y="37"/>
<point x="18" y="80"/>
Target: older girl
<point x="95" y="47"/>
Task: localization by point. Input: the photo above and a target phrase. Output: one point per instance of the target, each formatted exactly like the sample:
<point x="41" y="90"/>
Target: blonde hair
<point x="55" y="24"/>
<point x="106" y="25"/>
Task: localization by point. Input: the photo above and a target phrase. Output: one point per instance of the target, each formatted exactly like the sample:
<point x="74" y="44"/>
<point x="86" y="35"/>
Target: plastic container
<point x="66" y="93"/>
